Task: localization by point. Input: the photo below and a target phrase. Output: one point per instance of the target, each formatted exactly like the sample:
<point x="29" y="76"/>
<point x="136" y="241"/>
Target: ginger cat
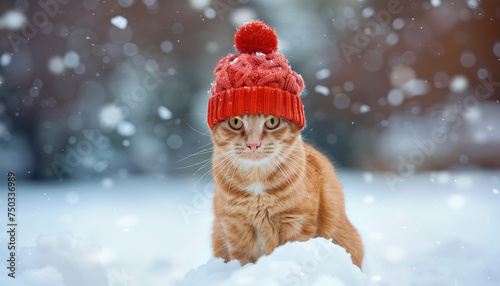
<point x="272" y="188"/>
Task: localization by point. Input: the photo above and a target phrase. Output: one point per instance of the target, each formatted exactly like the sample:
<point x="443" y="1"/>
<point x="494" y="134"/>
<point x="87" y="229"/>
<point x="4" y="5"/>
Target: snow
<point x="369" y="199"/>
<point x="150" y="3"/>
<point x="459" y="83"/>
<point x="321" y="89"/>
<point x="125" y="128"/>
<point x="398" y="23"/>
<point x="341" y="101"/>
<point x="435" y="3"/>
<point x="364" y="108"/>
<point x="71" y="59"/>
<point x="46" y="276"/>
<point x="110" y="115"/>
<point x="456" y="201"/>
<point x="12" y="20"/>
<point x="314" y="262"/>
<point x="402" y="74"/>
<point x="210" y="13"/>
<point x="72" y="198"/>
<point x="482" y="73"/>
<point x="164" y="112"/>
<point x="174" y="141"/>
<point x="80" y="69"/>
<point x="348" y="86"/>
<point x="58" y="259"/>
<point x="166" y="46"/>
<point x="473" y="4"/>
<point x="126" y="3"/>
<point x="322" y="74"/>
<point x="467" y="59"/>
<point x="395" y="97"/>
<point x="199" y="4"/>
<point x="130" y="49"/>
<point x="120" y="22"/>
<point x="242" y="15"/>
<point x="349" y="12"/>
<point x="433" y="229"/>
<point x="441" y="79"/>
<point x="496" y="49"/>
<point x="368" y="12"/>
<point x="415" y="87"/>
<point x="34" y="91"/>
<point x="107" y="183"/>
<point x="56" y="65"/>
<point x="5" y="59"/>
<point x="392" y="39"/>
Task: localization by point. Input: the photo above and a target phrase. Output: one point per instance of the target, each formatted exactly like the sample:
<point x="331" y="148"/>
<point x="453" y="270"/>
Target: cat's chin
<point x="254" y="161"/>
<point x="254" y="157"/>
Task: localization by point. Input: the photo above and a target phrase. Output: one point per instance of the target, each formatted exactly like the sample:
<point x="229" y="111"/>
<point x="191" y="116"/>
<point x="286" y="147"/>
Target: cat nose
<point x="253" y="146"/>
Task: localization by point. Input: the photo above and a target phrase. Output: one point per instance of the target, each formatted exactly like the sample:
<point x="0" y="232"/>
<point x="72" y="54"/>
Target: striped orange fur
<point x="282" y="191"/>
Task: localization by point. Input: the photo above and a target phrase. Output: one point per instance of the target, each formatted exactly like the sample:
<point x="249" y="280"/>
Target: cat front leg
<point x="297" y="228"/>
<point x="267" y="237"/>
<point x="219" y="244"/>
<point x="240" y="239"/>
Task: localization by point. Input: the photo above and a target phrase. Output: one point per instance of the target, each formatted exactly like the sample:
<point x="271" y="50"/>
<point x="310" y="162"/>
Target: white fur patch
<point x="257" y="189"/>
<point x="247" y="164"/>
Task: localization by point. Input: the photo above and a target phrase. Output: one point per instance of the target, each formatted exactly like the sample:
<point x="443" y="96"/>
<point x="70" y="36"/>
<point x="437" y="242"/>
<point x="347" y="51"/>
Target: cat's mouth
<point x="254" y="156"/>
<point x="258" y="160"/>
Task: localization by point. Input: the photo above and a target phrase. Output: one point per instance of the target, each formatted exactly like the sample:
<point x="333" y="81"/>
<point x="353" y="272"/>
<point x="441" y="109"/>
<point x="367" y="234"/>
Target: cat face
<point x="254" y="138"/>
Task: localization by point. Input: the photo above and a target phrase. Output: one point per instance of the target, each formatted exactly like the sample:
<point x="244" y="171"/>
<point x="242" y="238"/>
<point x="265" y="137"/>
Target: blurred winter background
<point x="96" y="92"/>
<point x="380" y="75"/>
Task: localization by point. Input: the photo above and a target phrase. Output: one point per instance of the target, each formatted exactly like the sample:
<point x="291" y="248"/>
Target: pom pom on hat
<point x="255" y="36"/>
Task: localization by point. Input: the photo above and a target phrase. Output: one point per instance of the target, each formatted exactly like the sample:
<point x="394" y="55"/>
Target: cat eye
<point x="235" y="123"/>
<point x="272" y="122"/>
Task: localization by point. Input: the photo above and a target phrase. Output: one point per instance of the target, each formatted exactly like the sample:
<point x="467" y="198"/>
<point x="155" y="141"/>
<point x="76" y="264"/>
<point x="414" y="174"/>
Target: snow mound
<point x="316" y="262"/>
<point x="59" y="259"/>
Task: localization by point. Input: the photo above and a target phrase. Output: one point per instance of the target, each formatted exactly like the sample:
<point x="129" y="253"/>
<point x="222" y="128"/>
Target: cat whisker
<point x="192" y="165"/>
<point x="234" y="159"/>
<point x="300" y="172"/>
<point x="225" y="157"/>
<point x="229" y="188"/>
<point x="209" y="162"/>
<point x="203" y="146"/>
<point x="307" y="162"/>
<point x="231" y="161"/>
<point x="203" y="166"/>
<point x="199" y="132"/>
<point x="287" y="177"/>
<point x="201" y="152"/>
<point x="205" y="163"/>
<point x="325" y="164"/>
<point x="243" y="180"/>
<point x="286" y="158"/>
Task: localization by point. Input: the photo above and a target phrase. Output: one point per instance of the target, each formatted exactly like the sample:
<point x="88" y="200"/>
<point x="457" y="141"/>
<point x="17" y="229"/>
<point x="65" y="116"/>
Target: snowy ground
<point x="433" y="229"/>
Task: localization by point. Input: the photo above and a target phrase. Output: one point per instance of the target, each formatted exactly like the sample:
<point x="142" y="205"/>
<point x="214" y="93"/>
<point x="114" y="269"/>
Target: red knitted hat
<point x="258" y="80"/>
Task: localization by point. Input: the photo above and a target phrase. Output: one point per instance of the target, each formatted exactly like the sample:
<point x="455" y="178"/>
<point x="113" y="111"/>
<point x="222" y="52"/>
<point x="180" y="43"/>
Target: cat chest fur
<point x="269" y="224"/>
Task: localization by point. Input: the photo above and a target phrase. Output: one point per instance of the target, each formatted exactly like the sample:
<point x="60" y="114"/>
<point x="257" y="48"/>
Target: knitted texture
<point x="241" y="70"/>
<point x="240" y="79"/>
